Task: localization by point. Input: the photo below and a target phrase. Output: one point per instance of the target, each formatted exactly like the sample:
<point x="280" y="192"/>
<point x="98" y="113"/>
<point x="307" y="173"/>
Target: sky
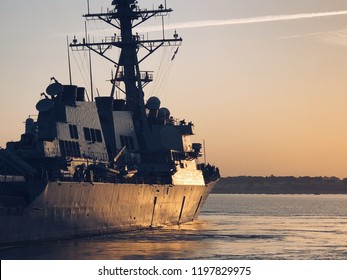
<point x="264" y="81"/>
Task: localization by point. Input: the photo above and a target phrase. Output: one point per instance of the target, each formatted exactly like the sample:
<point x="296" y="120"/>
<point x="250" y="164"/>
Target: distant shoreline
<point x="281" y="185"/>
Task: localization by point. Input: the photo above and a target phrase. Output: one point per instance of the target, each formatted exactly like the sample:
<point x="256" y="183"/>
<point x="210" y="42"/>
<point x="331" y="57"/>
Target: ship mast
<point x="125" y="16"/>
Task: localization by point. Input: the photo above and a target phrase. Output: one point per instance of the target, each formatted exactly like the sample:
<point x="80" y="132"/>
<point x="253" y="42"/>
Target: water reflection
<point x="220" y="233"/>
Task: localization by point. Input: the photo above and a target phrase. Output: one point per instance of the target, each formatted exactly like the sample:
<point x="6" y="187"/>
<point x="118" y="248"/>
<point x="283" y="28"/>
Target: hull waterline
<point x="66" y="210"/>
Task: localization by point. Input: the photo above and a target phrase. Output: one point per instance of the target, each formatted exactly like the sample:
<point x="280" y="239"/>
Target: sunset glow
<point x="263" y="81"/>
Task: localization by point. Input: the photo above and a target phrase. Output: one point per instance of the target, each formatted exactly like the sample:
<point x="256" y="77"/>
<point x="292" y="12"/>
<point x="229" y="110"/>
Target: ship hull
<point x="70" y="209"/>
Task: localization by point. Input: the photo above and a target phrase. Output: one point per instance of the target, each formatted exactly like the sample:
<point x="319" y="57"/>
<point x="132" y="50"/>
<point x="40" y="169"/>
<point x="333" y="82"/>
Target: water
<point x="230" y="227"/>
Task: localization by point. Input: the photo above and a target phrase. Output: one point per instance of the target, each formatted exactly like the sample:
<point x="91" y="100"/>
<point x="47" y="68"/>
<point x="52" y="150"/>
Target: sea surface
<point x="231" y="226"/>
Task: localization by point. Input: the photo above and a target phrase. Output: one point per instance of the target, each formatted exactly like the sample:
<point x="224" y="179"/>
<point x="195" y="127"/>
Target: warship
<point x="92" y="165"/>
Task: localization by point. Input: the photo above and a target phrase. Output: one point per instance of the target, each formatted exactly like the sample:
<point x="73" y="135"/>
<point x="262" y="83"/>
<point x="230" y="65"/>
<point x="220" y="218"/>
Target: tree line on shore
<point x="282" y="185"/>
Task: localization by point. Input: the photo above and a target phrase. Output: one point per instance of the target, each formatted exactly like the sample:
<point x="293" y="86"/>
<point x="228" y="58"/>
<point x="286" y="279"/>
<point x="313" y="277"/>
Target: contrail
<point x="239" y="21"/>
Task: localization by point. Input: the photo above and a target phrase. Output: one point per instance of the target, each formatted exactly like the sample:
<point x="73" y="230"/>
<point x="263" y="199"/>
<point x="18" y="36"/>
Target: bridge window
<point x="73" y="131"/>
<point x="98" y="135"/>
<point x="69" y="148"/>
<point x="127" y="141"/>
<point x="93" y="135"/>
<point x="87" y="135"/>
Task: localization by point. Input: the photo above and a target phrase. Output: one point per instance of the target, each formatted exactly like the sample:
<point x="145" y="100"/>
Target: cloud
<point x="239" y="21"/>
<point x="334" y="37"/>
<point x="338" y="37"/>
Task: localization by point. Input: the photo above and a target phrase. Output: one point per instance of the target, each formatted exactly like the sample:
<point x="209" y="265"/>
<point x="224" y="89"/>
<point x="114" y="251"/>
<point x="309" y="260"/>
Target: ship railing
<point x="133" y="180"/>
<point x="115" y="180"/>
<point x="94" y="155"/>
<point x="210" y="172"/>
<point x="145" y="76"/>
<point x="178" y="122"/>
<point x="11" y="179"/>
<point x="55" y="152"/>
<point x="112" y="39"/>
<point x="118" y="39"/>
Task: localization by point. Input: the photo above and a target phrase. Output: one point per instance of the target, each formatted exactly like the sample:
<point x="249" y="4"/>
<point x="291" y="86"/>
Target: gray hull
<point x="66" y="209"/>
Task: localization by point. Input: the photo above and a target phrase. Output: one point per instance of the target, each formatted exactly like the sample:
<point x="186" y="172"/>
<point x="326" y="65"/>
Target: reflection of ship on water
<point x="98" y="165"/>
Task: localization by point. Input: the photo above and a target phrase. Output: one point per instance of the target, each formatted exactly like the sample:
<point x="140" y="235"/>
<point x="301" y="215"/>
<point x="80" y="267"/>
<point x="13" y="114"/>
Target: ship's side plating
<point x="69" y="209"/>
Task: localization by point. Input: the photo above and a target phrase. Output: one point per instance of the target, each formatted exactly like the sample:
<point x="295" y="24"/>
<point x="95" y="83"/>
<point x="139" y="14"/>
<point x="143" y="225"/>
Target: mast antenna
<point x="126" y="16"/>
<point x="68" y="58"/>
<point x="88" y="7"/>
<point x="163" y="26"/>
<point x="90" y="63"/>
<point x="91" y="75"/>
<point x="204" y="151"/>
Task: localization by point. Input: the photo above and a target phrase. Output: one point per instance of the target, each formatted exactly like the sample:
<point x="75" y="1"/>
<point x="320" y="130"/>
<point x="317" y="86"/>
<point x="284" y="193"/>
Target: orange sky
<point x="268" y="97"/>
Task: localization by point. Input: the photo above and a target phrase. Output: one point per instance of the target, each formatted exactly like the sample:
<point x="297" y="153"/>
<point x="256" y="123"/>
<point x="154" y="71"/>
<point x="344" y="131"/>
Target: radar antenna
<point x="124" y="17"/>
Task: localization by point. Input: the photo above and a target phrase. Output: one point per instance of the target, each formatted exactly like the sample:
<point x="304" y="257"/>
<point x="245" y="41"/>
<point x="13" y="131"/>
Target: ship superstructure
<point x="93" y="165"/>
